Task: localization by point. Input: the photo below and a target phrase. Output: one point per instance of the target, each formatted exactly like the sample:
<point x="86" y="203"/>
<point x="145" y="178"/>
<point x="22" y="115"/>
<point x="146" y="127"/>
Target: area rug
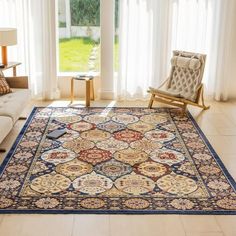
<point x="114" y="161"/>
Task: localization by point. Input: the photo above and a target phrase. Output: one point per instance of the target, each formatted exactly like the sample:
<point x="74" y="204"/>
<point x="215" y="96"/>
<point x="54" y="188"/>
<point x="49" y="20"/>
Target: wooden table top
<point x="10" y="65"/>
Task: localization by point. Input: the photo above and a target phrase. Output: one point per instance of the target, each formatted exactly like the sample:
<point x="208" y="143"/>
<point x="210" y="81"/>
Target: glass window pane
<point x="79" y="35"/>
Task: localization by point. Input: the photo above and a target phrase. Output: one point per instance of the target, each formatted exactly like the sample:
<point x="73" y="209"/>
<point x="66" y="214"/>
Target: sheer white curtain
<point x="208" y="26"/>
<point x="151" y="29"/>
<point x="36" y="47"/>
<point x="143" y="45"/>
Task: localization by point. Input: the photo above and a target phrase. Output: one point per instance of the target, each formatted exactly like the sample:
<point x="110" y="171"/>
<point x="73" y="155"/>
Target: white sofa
<point x="12" y="104"/>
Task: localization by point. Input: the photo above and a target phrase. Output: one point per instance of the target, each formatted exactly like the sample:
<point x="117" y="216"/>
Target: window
<point x="79" y="35"/>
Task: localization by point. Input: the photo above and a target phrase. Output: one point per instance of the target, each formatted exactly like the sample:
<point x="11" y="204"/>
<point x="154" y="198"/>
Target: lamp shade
<point x="8" y="36"/>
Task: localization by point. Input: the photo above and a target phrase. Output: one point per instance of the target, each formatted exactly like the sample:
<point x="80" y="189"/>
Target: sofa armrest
<point x="18" y="82"/>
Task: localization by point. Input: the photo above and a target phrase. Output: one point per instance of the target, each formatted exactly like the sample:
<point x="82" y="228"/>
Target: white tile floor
<point x="218" y="124"/>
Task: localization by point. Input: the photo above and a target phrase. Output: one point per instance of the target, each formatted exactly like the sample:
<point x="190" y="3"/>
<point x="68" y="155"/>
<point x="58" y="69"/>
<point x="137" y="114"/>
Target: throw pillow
<point x="4" y="87"/>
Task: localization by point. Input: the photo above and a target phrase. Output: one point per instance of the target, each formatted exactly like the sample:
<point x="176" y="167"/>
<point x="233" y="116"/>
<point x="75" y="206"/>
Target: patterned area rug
<point x="114" y="160"/>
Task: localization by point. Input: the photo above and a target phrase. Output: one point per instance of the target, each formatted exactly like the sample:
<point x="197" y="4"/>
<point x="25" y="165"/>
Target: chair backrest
<point x="186" y="75"/>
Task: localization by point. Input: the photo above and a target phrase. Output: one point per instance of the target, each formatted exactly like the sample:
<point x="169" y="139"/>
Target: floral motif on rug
<point x="114" y="160"/>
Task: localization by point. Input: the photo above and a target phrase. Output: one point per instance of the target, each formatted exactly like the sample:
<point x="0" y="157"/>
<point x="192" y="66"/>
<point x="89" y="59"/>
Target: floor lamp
<point x="8" y="37"/>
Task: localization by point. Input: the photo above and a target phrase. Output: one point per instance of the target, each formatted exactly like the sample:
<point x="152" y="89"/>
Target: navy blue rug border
<point x="213" y="152"/>
<point x="117" y="212"/>
<point x="20" y="135"/>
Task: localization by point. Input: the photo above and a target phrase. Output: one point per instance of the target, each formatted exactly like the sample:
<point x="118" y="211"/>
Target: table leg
<point x="72" y="90"/>
<point x="14" y="71"/>
<point x="92" y="90"/>
<point x="87" y="103"/>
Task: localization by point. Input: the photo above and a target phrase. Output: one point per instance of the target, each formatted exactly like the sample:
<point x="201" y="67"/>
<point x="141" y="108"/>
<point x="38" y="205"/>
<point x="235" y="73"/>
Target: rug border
<point x="213" y="152"/>
<point x="19" y="136"/>
<point x="116" y="212"/>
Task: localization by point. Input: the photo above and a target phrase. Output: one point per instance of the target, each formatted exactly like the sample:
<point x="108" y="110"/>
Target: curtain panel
<point x="151" y="29"/>
<point x="36" y="47"/>
<point x="143" y="37"/>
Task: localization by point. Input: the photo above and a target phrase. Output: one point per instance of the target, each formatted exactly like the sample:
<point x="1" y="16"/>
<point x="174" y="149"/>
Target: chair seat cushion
<point x="185" y="79"/>
<point x="165" y="92"/>
<point x="174" y="93"/>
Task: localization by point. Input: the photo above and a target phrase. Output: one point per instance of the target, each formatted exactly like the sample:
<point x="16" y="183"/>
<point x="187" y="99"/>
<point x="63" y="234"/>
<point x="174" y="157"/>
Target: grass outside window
<point x="77" y="55"/>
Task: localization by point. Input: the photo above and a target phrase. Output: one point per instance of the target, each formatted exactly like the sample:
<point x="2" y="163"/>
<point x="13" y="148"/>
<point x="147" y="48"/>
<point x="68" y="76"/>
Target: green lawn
<point x="75" y="53"/>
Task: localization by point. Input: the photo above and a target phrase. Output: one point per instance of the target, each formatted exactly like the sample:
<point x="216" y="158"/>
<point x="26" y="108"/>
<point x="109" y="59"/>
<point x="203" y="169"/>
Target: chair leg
<point x="87" y="100"/>
<point x="72" y="90"/>
<point x="203" y="102"/>
<point x="151" y="101"/>
<point x="92" y="90"/>
<point x="184" y="109"/>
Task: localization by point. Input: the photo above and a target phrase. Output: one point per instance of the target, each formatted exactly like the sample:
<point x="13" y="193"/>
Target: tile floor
<point x="218" y="124"/>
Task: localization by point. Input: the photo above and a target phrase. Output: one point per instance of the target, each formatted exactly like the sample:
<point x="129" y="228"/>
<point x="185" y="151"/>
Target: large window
<point x="79" y="35"/>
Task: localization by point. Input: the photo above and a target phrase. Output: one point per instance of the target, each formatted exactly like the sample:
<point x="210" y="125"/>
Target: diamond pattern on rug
<point x="116" y="160"/>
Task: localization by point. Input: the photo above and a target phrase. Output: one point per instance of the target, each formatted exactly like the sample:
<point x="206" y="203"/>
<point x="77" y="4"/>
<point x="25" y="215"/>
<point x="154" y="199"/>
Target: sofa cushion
<point x="13" y="104"/>
<point x="4" y="87"/>
<point x="6" y="125"/>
